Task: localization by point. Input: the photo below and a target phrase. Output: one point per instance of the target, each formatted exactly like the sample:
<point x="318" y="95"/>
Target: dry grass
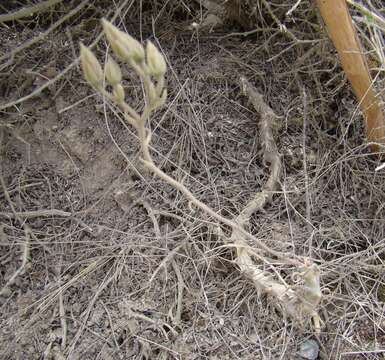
<point x="86" y="289"/>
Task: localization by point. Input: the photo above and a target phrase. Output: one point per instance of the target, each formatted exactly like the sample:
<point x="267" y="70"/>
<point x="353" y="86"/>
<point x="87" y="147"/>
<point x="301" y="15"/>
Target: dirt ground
<point x="119" y="265"/>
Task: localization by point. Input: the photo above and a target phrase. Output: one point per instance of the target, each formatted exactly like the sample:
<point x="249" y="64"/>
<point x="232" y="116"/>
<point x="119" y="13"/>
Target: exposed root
<point x="298" y="302"/>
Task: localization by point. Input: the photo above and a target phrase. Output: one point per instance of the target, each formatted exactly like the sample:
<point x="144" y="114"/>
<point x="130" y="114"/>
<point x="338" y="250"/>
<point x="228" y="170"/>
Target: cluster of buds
<point x="147" y="62"/>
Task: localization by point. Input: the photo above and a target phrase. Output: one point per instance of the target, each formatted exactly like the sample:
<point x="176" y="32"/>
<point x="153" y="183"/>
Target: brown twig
<point x="345" y="39"/>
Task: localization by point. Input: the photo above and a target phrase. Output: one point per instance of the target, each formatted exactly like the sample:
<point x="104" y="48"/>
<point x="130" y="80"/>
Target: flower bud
<point x="113" y="72"/>
<point x="163" y="97"/>
<point x="152" y="93"/>
<point x="118" y="93"/>
<point x="110" y="30"/>
<point x="160" y="100"/>
<point x="92" y="70"/>
<point x="155" y="60"/>
<point x="124" y="46"/>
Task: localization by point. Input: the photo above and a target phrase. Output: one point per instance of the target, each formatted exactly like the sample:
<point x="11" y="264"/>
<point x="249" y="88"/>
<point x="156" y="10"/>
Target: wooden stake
<point x="340" y="28"/>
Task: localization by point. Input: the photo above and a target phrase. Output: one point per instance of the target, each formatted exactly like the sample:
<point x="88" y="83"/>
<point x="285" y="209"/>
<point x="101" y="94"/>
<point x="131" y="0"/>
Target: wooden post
<point x="340" y="28"/>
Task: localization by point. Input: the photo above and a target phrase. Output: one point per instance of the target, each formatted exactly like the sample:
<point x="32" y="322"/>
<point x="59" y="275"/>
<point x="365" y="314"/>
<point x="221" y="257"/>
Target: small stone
<point x="309" y="350"/>
<point x="6" y="292"/>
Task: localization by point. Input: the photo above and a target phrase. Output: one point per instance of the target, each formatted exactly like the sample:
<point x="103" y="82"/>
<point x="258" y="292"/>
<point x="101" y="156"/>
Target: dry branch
<point x="340" y="27"/>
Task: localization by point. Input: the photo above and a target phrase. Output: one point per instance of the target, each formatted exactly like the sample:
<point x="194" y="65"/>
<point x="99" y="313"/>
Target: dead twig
<point x="29" y="11"/>
<point x="35" y="214"/>
<point x="304" y="136"/>
<point x="44" y="34"/>
<point x="62" y="312"/>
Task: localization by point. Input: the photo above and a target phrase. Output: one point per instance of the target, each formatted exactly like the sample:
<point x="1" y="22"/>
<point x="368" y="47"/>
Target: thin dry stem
<point x="44" y="34"/>
<point x="35" y="213"/>
<point x="29" y="11"/>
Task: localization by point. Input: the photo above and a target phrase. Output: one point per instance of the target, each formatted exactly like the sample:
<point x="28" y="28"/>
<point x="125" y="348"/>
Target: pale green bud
<point x="160" y="100"/>
<point x="152" y="93"/>
<point x="124" y="46"/>
<point x="118" y="93"/>
<point x="91" y="67"/>
<point x="163" y="97"/>
<point x="155" y="60"/>
<point x="128" y="48"/>
<point x="113" y="72"/>
<point x="110" y="30"/>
